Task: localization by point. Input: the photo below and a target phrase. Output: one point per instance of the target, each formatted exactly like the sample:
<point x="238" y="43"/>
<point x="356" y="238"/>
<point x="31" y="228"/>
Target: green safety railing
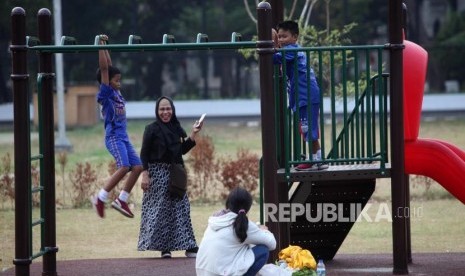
<point x="348" y="143"/>
<point x="353" y="123"/>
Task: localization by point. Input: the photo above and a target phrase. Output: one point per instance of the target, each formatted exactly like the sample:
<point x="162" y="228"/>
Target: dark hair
<point x="112" y="71"/>
<point x="239" y="201"/>
<point x="290" y="26"/>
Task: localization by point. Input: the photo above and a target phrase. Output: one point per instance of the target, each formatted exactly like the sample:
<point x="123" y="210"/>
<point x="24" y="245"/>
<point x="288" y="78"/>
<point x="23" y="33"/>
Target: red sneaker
<point x="99" y="206"/>
<point x="122" y="207"/>
<point x="306" y="167"/>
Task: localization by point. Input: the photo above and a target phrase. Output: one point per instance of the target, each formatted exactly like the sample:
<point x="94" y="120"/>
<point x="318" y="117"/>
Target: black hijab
<point x="173" y="125"/>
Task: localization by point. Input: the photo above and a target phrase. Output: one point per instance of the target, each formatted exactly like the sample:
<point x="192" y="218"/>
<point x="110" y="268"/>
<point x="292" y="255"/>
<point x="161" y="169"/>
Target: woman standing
<point x="165" y="220"/>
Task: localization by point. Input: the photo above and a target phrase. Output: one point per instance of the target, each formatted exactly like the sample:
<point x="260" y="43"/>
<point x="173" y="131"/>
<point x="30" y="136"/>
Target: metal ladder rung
<point x="37" y="157"/>
<point x="38" y="254"/>
<point x="37" y="222"/>
<point x="37" y="189"/>
<point x="43" y="251"/>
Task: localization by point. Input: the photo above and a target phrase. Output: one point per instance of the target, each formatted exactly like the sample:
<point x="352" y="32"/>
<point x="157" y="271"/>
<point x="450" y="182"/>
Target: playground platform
<point x="342" y="264"/>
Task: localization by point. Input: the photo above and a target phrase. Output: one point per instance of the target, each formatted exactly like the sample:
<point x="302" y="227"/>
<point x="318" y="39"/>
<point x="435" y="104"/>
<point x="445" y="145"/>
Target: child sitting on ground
<point x="233" y="245"/>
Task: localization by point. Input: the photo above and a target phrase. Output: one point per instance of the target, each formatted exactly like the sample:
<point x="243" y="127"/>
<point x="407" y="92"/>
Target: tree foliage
<point x="31" y="8"/>
<point x="448" y="47"/>
<point x="142" y="71"/>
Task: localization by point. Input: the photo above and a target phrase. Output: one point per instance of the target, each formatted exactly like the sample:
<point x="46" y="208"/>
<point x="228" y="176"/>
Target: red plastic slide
<point x="439" y="160"/>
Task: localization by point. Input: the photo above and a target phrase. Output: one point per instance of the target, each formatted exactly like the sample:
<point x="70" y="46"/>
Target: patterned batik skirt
<point x="165" y="221"/>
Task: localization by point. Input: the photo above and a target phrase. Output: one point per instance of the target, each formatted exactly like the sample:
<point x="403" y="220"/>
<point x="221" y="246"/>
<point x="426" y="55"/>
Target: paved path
<point x="342" y="265"/>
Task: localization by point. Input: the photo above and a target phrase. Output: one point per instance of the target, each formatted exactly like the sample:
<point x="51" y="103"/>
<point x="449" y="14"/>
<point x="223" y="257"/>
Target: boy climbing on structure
<point x="286" y="37"/>
<point x="116" y="136"/>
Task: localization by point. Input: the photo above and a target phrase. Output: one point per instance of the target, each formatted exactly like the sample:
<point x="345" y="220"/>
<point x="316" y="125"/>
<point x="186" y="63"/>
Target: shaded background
<point x="437" y="25"/>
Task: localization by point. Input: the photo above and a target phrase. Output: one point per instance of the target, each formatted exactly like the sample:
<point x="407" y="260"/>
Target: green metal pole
<point x="44" y="23"/>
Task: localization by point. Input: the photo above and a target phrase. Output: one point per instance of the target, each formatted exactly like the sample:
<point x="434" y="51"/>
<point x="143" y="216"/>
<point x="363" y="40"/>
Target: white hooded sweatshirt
<point x="221" y="252"/>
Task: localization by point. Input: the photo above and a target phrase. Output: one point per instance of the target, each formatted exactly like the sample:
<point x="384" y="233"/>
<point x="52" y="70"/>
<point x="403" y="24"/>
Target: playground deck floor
<point x="342" y="264"/>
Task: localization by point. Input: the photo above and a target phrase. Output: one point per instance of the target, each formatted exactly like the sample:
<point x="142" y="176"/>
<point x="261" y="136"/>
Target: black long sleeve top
<point x="160" y="144"/>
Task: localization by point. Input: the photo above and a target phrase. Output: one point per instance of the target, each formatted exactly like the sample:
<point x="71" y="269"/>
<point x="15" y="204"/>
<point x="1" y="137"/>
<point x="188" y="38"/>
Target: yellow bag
<point x="297" y="258"/>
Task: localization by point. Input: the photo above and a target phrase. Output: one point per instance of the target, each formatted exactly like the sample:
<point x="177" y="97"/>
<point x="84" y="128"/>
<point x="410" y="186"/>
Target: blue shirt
<point x="113" y="110"/>
<point x="302" y="83"/>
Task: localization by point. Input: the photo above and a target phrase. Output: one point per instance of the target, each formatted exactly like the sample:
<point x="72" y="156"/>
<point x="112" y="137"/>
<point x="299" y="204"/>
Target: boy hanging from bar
<point x="117" y="140"/>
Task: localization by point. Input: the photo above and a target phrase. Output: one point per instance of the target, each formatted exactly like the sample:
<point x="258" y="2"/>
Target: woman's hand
<point x="145" y="181"/>
<point x="197" y="126"/>
<point x="195" y="129"/>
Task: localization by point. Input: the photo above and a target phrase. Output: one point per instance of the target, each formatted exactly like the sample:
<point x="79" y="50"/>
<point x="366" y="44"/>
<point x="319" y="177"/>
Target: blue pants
<point x="304" y="119"/>
<point x="261" y="253"/>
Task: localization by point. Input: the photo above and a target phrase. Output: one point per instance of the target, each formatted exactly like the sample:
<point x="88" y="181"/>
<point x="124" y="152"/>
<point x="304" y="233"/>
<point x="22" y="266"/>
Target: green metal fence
<point x="353" y="106"/>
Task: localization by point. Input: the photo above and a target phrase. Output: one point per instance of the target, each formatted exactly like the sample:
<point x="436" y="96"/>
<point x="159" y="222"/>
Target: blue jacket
<point x="302" y="82"/>
<point x="113" y="110"/>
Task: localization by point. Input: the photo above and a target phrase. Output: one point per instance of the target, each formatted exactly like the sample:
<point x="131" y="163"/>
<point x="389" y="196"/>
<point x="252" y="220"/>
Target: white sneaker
<point x="322" y="166"/>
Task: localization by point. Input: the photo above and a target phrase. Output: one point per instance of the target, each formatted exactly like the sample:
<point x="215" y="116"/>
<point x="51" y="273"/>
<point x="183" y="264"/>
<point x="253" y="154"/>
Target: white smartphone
<point x="201" y="119"/>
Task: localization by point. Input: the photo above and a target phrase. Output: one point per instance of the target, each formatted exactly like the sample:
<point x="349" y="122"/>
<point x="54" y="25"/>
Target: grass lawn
<point x="437" y="219"/>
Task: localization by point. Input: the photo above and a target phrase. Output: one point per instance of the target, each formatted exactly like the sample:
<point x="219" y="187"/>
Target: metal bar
<point x="308" y="110"/>
<point x="369" y="130"/>
<point x="398" y="185"/>
<point x="167" y="38"/>
<point x="38" y="254"/>
<point x="363" y="107"/>
<point x="236" y="37"/>
<point x="373" y="115"/>
<point x="336" y="48"/>
<point x="333" y="105"/>
<point x="385" y="81"/>
<point x="48" y="233"/>
<point x="37" y="189"/>
<point x="277" y="14"/>
<point x="357" y="110"/>
<point x="282" y="94"/>
<point x="322" y="110"/>
<point x="40" y="188"/>
<point x="37" y="157"/>
<point x="262" y="218"/>
<point x="182" y="46"/>
<point x="381" y="110"/>
<point x="37" y="222"/>
<point x="344" y="100"/>
<point x="282" y="123"/>
<point x="134" y="39"/>
<point x="42" y="252"/>
<point x="144" y="47"/>
<point x="22" y="147"/>
<point x="267" y="103"/>
<point x="345" y="160"/>
<point x="300" y="146"/>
